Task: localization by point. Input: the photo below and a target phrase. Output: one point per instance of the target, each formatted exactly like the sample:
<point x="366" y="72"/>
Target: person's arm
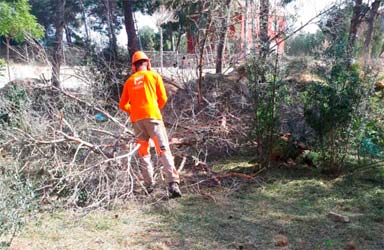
<point x="160" y="92"/>
<point x="124" y="100"/>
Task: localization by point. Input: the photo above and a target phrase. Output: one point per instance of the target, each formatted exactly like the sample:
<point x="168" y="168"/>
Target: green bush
<point x="17" y="200"/>
<point x="330" y="110"/>
<point x="268" y="97"/>
<point x="14" y="105"/>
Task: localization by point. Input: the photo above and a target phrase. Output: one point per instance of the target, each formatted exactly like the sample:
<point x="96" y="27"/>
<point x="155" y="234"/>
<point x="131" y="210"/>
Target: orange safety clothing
<point x="144" y="147"/>
<point x="143" y="96"/>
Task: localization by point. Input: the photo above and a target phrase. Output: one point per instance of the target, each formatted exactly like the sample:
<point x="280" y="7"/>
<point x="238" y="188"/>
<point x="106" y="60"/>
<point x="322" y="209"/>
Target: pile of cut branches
<point x="217" y="127"/>
<point x="78" y="149"/>
<point x="67" y="144"/>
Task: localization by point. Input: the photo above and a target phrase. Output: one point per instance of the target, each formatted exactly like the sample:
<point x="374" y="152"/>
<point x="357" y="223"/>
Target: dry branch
<point x="95" y="108"/>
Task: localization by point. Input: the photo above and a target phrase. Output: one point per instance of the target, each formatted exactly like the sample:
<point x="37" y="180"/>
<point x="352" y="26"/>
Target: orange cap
<point x="137" y="56"/>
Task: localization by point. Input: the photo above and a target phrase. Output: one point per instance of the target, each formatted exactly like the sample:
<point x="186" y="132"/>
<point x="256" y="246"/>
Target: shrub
<point x="17" y="199"/>
<point x="330" y="109"/>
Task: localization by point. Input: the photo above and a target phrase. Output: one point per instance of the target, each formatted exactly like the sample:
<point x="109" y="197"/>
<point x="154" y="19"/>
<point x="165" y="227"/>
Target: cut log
<point x="338" y="217"/>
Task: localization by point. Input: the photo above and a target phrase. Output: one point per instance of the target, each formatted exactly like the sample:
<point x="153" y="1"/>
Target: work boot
<point x="174" y="190"/>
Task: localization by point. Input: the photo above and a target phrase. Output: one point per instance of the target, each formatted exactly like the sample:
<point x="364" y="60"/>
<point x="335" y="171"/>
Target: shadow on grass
<point x="289" y="204"/>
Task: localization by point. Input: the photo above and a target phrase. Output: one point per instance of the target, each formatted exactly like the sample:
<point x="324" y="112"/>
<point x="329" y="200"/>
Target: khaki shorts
<point x="154" y="129"/>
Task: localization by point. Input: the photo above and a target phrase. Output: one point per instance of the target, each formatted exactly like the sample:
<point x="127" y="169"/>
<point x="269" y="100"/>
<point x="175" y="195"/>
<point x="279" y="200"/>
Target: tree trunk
<point x="130" y="27"/>
<point x="85" y="22"/>
<point x="254" y="32"/>
<point x="223" y="33"/>
<point x="264" y="38"/>
<point x="27" y="52"/>
<point x="371" y="20"/>
<point x="68" y="34"/>
<point x="58" y="44"/>
<point x="201" y="59"/>
<point x="172" y="42"/>
<point x="161" y="48"/>
<point x="110" y="7"/>
<point x="246" y="46"/>
<point x="355" y="23"/>
<point x="382" y="50"/>
<point x="179" y="34"/>
<point x="8" y="62"/>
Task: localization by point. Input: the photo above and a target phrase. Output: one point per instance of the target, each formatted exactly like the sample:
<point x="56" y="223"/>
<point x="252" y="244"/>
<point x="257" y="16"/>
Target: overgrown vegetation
<point x="311" y="122"/>
<point x="17" y="200"/>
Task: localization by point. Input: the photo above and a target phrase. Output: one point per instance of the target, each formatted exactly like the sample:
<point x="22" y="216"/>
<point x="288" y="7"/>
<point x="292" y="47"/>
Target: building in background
<point x="244" y="31"/>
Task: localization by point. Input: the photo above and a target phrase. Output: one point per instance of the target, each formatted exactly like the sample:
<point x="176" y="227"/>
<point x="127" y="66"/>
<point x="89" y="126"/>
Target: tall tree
<point x="129" y="7"/>
<point x="207" y="8"/>
<point x="264" y="37"/>
<point x="111" y="8"/>
<point x="163" y="16"/>
<point x="222" y="36"/>
<point x="357" y="17"/>
<point x="246" y="20"/>
<point x="16" y="22"/>
<point x="148" y="38"/>
<point x="85" y="22"/>
<point x="72" y="22"/>
<point x="45" y="11"/>
<point x="133" y="44"/>
<point x="371" y="20"/>
<point x="58" y="43"/>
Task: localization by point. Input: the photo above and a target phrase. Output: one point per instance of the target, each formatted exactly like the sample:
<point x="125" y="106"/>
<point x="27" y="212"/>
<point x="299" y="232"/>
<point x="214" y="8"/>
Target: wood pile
<point x="216" y="127"/>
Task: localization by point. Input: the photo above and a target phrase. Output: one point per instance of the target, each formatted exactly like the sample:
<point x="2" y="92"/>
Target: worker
<point x="143" y="97"/>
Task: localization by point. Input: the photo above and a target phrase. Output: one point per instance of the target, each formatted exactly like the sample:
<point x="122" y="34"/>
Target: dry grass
<point x="292" y="207"/>
<point x="128" y="228"/>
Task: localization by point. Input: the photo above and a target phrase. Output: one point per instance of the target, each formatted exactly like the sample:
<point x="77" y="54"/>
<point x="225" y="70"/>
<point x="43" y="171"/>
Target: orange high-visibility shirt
<point x="143" y="96"/>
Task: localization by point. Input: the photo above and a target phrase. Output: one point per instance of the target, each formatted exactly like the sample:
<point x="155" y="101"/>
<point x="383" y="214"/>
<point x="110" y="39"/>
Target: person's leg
<point x="145" y="162"/>
<point x="157" y="132"/>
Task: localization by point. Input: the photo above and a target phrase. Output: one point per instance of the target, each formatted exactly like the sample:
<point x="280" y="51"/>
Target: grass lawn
<point x="289" y="206"/>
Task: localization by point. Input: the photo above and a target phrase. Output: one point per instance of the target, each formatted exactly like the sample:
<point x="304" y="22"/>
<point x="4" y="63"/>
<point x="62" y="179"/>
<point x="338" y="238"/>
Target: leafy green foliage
<point x="99" y="14"/>
<point x="330" y="109"/>
<point x="305" y="44"/>
<point x="371" y="126"/>
<point x="144" y="6"/>
<point x="16" y="21"/>
<point x="148" y="38"/>
<point x="267" y="99"/>
<point x="378" y="38"/>
<point x="335" y="27"/>
<point x="14" y="102"/>
<point x="45" y="12"/>
<point x="17" y="199"/>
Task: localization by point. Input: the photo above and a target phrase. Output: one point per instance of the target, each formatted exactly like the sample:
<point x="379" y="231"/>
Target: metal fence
<point x="180" y="60"/>
<point x="74" y="56"/>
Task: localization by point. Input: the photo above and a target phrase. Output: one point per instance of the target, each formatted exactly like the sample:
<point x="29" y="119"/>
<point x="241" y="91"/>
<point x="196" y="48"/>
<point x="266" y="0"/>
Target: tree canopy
<point x="16" y="21"/>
